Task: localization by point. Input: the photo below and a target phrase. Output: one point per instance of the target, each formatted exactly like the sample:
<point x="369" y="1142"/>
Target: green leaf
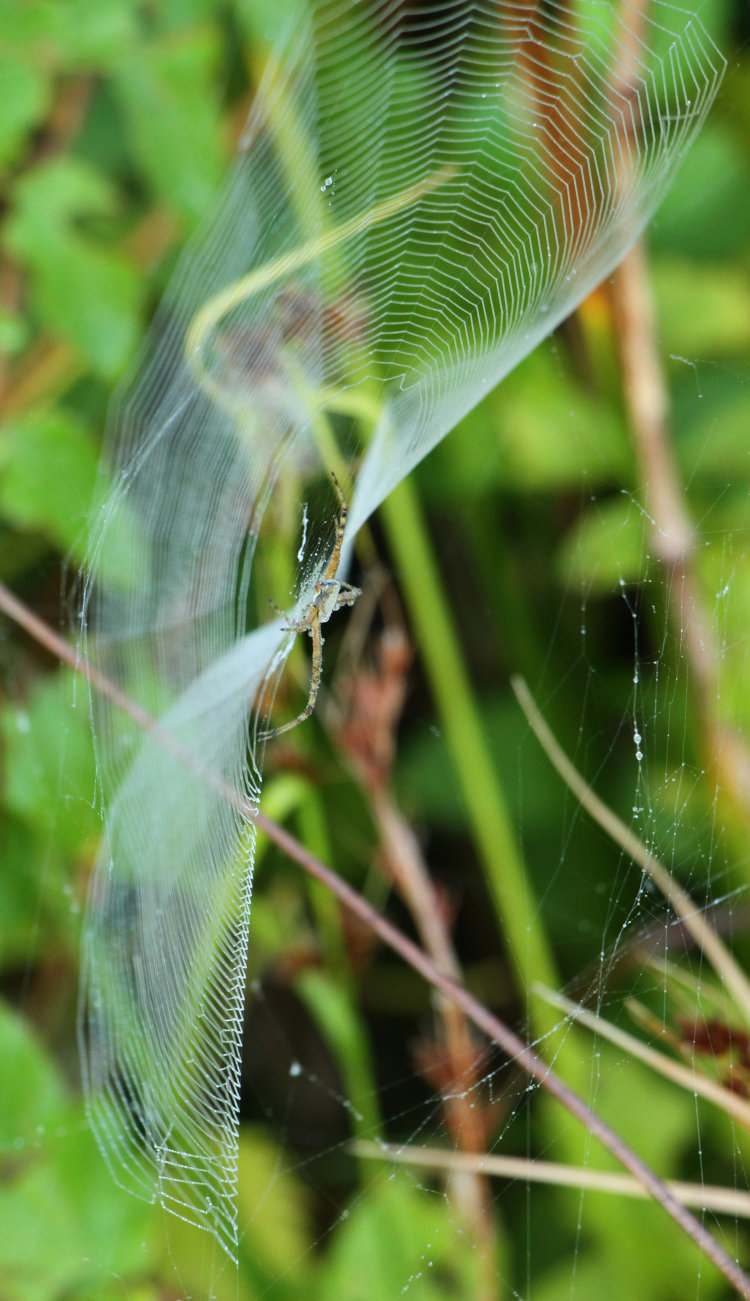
<point x="19" y="892"/>
<point x="48" y="468"/>
<point x="50" y="774"/>
<point x="275" y="1238"/>
<point x="702" y="308"/>
<point x="65" y="1223"/>
<point x="14" y="333"/>
<point x="32" y="1093"/>
<point x="24" y="99"/>
<point x="710" y="420"/>
<point x="89" y="32"/>
<point x="67" y="34"/>
<point x="725" y="573"/>
<point x="705" y="213"/>
<point x="177" y="13"/>
<point x="29" y="29"/>
<point x="562" y="438"/>
<point x="605" y="549"/>
<point x="400" y="1236"/>
<point x="263" y="23"/>
<point x="67" y="1227"/>
<point x="82" y="290"/>
<point x="274" y="1210"/>
<point x="335" y="1013"/>
<point x="168" y="98"/>
<point x="665" y="1128"/>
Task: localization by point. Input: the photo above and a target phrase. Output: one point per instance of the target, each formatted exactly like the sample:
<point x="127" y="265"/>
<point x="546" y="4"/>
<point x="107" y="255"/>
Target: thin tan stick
<point x="689" y="914"/>
<point x="706" y="1197"/>
<point x="687" y="1079"/>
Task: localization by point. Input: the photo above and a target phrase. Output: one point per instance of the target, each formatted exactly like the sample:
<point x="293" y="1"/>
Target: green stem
<point x="461" y="722"/>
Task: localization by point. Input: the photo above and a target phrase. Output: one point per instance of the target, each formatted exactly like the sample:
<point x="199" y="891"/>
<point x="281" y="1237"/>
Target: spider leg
<point x="333" y="563"/>
<point x="348" y="594"/>
<point x="311" y="619"/>
<point x="299" y="625"/>
<point x="317" y="666"/>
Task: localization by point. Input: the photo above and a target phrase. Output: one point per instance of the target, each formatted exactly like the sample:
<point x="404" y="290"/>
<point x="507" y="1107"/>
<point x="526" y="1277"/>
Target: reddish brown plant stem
<point x="495" y="1029"/>
<point x="452" y="1062"/>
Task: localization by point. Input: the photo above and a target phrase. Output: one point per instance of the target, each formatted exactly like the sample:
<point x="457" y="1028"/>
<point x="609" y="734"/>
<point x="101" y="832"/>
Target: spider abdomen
<point x="326" y="597"/>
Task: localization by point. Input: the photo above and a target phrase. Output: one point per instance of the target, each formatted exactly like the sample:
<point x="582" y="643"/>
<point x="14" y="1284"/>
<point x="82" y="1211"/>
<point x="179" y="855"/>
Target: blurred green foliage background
<point x="117" y="123"/>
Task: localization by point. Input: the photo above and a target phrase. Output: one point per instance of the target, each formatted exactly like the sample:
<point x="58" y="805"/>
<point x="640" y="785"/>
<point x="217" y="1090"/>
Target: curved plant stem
<point x="483" y="1018"/>
<point x="684" y="1077"/>
<point x="706" y="938"/>
<point x="271" y="273"/>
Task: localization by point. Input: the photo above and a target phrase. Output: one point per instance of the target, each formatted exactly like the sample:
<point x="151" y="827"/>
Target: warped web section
<point x="420" y="196"/>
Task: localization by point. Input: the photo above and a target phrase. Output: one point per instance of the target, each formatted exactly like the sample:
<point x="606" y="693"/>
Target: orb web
<point x="421" y="195"/>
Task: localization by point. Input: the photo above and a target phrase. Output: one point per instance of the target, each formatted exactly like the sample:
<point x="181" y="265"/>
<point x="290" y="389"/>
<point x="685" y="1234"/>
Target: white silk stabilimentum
<point x="421" y="195"/>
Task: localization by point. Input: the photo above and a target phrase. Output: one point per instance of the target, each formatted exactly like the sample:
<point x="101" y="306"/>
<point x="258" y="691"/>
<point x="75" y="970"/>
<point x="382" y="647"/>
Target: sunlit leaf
<point x="81" y="289"/>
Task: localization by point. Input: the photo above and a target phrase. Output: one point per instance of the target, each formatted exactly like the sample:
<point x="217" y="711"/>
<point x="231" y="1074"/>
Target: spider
<point x="330" y="594"/>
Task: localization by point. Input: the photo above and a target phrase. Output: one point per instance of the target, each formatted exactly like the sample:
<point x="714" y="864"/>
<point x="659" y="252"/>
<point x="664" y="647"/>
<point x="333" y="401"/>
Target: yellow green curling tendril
<point x="262" y="277"/>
